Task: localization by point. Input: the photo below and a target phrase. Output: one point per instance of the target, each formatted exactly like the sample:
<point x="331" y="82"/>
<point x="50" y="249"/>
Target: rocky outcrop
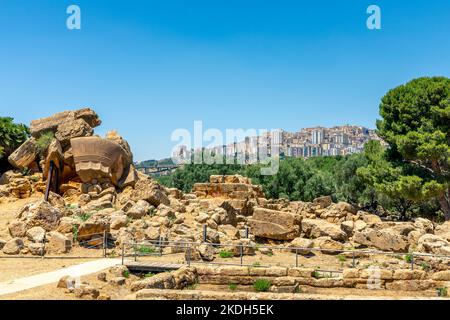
<point x="232" y="187"/>
<point x="151" y="192"/>
<point x="275" y="225"/>
<point x="40" y="214"/>
<point x="430" y="243"/>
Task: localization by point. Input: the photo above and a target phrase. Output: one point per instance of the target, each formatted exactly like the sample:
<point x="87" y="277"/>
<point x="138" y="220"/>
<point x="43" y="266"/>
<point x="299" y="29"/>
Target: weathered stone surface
<point x="86" y="292"/>
<point x="40" y="214"/>
<point x="55" y="154"/>
<point x="443" y="231"/>
<point x="66" y="282"/>
<point x="371" y="219"/>
<point x="58" y="243"/>
<point x="301" y="243"/>
<point x="2" y="243"/>
<point x="72" y="129"/>
<point x="97" y="158"/>
<point x="430" y="243"/>
<point x="25" y="155"/>
<point x="424" y="224"/>
<point x="275" y="225"/>
<point x="328" y="245"/>
<point x="139" y="210"/>
<point x="206" y="252"/>
<point x="95" y="226"/>
<point x="6" y="177"/>
<point x="36" y="234"/>
<point x="151" y="192"/>
<point x="39" y="126"/>
<point x="13" y="246"/>
<point x="323" y="202"/>
<point x="68" y="225"/>
<point x="314" y="228"/>
<point x="36" y="249"/>
<point x="384" y="239"/>
<point x="20" y="188"/>
<point x="441" y="276"/>
<point x="17" y="229"/>
<point x="119" y="221"/>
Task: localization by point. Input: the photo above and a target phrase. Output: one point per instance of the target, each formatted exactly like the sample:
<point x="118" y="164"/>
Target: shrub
<point x="425" y="266"/>
<point x="75" y="233"/>
<point x="85" y="216"/>
<point x="232" y="286"/>
<point x="149" y="275"/>
<point x="442" y="292"/>
<point x="262" y="285"/>
<point x="226" y="254"/>
<point x="409" y="258"/>
<point x="146" y="249"/>
<point x="126" y="274"/>
<point x="44" y="141"/>
<point x="341" y="258"/>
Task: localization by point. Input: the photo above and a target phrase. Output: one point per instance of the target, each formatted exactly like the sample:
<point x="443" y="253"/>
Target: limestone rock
<point x="20" y="188"/>
<point x="371" y="219"/>
<point x="323" y="202"/>
<point x="86" y="292"/>
<point x="36" y="249"/>
<point x="72" y="129"/>
<point x="25" y="156"/>
<point x="17" y="229"/>
<point x="58" y="243"/>
<point x="40" y="214"/>
<point x="118" y="222"/>
<point x="275" y="225"/>
<point x="39" y="126"/>
<point x="302" y="243"/>
<point x="151" y="192"/>
<point x="139" y="210"/>
<point x="94" y="227"/>
<point x="430" y="243"/>
<point x="13" y="246"/>
<point x="36" y="234"/>
<point x="384" y="239"/>
<point x="206" y="252"/>
<point x="328" y="245"/>
<point x="314" y="228"/>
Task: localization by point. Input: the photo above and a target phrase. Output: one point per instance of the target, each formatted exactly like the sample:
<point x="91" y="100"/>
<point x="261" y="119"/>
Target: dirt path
<point x="79" y="270"/>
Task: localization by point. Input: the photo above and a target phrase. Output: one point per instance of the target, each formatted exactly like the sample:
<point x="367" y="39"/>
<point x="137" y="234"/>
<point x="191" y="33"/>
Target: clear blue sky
<point x="149" y="67"/>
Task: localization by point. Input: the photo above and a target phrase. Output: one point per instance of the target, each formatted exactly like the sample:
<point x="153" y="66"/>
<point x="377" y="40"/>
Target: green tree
<point x="12" y="135"/>
<point x="416" y="124"/>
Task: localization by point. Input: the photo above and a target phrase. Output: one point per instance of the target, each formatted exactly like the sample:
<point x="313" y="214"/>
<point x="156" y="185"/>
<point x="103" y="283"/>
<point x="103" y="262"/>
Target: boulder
<point x="68" y="225"/>
<point x="430" y="243"/>
<point x="315" y="228"/>
<point x="7" y="177"/>
<point x="36" y="249"/>
<point x="275" y="225"/>
<point x="20" y="188"/>
<point x="443" y="230"/>
<point x="36" y="234"/>
<point x="2" y="244"/>
<point x="13" y="246"/>
<point x="371" y="219"/>
<point x="94" y="227"/>
<point x="17" y="229"/>
<point x="328" y="245"/>
<point x="72" y="129"/>
<point x="384" y="239"/>
<point x="40" y="214"/>
<point x="302" y="243"/>
<point x="151" y="192"/>
<point x="206" y="252"/>
<point x="139" y="210"/>
<point x="25" y="156"/>
<point x="85" y="291"/>
<point x="58" y="243"/>
<point x="118" y="221"/>
<point x="40" y="126"/>
<point x="347" y="227"/>
<point x="66" y="282"/>
<point x="323" y="202"/>
<point x="424" y="224"/>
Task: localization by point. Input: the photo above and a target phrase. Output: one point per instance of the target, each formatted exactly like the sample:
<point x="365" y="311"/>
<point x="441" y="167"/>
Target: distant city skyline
<point x="150" y="67"/>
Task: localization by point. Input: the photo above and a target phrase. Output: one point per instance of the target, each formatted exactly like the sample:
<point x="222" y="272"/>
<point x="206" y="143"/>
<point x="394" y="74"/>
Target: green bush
<point x="226" y="254"/>
<point x="262" y="285"/>
<point x="145" y="249"/>
<point x="126" y="274"/>
<point x="409" y="258"/>
<point x="442" y="292"/>
<point x="232" y="286"/>
<point x="44" y="141"/>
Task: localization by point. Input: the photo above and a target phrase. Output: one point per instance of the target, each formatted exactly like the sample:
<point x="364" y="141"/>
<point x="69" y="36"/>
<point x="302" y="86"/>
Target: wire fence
<point x="157" y="248"/>
<point x="96" y="241"/>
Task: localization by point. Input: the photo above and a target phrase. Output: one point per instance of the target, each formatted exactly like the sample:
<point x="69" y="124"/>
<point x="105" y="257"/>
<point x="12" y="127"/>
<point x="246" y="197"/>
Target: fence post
<point x="123" y="253"/>
<point x="247" y="232"/>
<point x="160" y="246"/>
<point x="135" y="251"/>
<point x="104" y="244"/>
<point x="296" y="258"/>
<point x="43" y="248"/>
<point x="241" y="253"/>
<point x="412" y="261"/>
<point x="189" y="254"/>
<point x="205" y="232"/>
<point x="353" y="260"/>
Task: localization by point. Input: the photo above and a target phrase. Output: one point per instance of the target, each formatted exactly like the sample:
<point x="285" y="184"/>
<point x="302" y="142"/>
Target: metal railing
<point x="141" y="249"/>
